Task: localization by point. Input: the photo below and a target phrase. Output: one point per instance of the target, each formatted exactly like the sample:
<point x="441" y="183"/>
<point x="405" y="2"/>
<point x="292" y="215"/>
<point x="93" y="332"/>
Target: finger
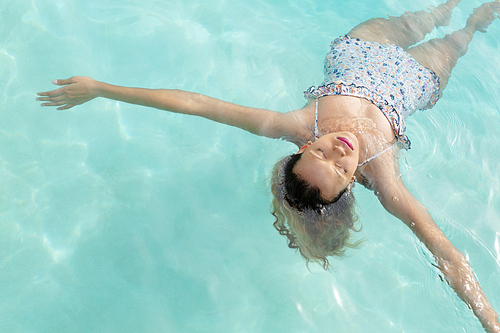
<point x="67" y="106"/>
<point x="60" y="82"/>
<point x="52" y="93"/>
<point x="54" y="103"/>
<point x="51" y="99"/>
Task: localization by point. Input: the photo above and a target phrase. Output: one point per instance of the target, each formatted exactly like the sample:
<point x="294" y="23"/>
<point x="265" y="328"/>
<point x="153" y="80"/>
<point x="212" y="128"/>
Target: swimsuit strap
<point x="316" y="136"/>
<point x="316" y="131"/>
<point x="377" y="155"/>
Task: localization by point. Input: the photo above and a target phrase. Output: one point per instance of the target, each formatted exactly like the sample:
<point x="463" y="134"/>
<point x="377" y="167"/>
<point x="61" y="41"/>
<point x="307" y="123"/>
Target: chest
<point x="354" y="107"/>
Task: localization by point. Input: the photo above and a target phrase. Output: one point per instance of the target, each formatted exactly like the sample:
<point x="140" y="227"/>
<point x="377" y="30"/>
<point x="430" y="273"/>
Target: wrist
<point x="98" y="89"/>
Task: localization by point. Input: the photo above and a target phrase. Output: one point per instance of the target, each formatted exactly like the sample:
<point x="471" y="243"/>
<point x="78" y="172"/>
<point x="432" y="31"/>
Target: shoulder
<point x="381" y="174"/>
<point x="385" y="180"/>
<point x="295" y="126"/>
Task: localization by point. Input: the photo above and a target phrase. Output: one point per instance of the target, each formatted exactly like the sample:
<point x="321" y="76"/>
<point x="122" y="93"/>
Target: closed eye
<point x="342" y="168"/>
<point x="322" y="152"/>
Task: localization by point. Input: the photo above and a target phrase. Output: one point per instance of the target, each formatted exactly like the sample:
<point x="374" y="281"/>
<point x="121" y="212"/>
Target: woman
<point x="350" y="130"/>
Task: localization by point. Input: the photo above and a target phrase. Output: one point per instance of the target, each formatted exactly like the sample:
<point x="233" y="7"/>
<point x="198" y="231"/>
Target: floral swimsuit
<point x="386" y="75"/>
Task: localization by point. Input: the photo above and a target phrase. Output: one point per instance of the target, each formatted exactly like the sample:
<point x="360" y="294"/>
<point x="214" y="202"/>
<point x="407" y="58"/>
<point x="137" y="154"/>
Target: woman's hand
<point x="75" y="91"/>
<point x="398" y="201"/>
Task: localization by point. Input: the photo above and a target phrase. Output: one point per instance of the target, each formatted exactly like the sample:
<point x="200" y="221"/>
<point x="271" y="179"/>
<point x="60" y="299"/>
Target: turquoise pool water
<point x="117" y="218"/>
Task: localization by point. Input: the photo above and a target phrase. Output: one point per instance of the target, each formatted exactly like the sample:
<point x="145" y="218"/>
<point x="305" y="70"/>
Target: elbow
<point x="175" y="100"/>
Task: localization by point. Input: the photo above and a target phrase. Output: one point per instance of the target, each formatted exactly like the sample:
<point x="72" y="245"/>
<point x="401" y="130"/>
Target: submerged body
<point x="354" y="126"/>
<point x="376" y="86"/>
<point x="384" y="74"/>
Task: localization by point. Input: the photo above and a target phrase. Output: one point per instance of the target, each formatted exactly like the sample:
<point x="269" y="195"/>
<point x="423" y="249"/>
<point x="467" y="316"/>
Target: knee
<point x="459" y="41"/>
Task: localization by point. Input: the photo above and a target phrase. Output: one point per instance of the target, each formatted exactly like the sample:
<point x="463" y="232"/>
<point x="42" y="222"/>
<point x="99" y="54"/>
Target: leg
<point x="406" y="30"/>
<point x="441" y="54"/>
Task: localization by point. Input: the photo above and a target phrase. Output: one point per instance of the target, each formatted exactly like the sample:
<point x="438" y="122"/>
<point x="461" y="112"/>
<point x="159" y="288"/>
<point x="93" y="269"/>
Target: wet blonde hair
<point x="314" y="234"/>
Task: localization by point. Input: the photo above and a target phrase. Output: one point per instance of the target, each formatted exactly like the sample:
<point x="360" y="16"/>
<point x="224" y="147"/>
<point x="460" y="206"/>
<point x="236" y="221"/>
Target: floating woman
<point x="349" y="131"/>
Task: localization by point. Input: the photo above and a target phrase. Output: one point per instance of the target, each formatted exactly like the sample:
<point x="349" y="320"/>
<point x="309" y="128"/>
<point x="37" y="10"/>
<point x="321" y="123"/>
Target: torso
<point x="354" y="107"/>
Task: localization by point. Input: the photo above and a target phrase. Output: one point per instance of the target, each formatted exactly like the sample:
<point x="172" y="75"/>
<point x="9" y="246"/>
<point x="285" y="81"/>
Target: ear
<point x="301" y="150"/>
<point x="352" y="181"/>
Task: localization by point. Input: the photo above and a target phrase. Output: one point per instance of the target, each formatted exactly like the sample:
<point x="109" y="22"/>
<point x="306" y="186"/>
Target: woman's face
<point x="329" y="163"/>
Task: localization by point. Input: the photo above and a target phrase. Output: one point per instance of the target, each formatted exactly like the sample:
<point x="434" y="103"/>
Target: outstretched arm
<point x="402" y="204"/>
<point x="78" y="90"/>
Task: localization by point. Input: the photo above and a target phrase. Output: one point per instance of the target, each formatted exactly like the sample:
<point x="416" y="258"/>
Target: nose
<point x="340" y="149"/>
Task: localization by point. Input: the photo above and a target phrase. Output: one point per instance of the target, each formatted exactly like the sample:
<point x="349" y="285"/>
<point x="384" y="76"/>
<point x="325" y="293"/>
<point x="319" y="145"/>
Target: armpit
<point x="366" y="181"/>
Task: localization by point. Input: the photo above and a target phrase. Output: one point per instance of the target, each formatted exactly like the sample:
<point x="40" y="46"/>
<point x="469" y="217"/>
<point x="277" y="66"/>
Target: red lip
<point x="346" y="142"/>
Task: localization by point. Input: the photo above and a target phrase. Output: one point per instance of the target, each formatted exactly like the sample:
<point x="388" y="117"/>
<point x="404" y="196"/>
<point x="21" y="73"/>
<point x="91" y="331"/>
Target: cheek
<point x="353" y="165"/>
